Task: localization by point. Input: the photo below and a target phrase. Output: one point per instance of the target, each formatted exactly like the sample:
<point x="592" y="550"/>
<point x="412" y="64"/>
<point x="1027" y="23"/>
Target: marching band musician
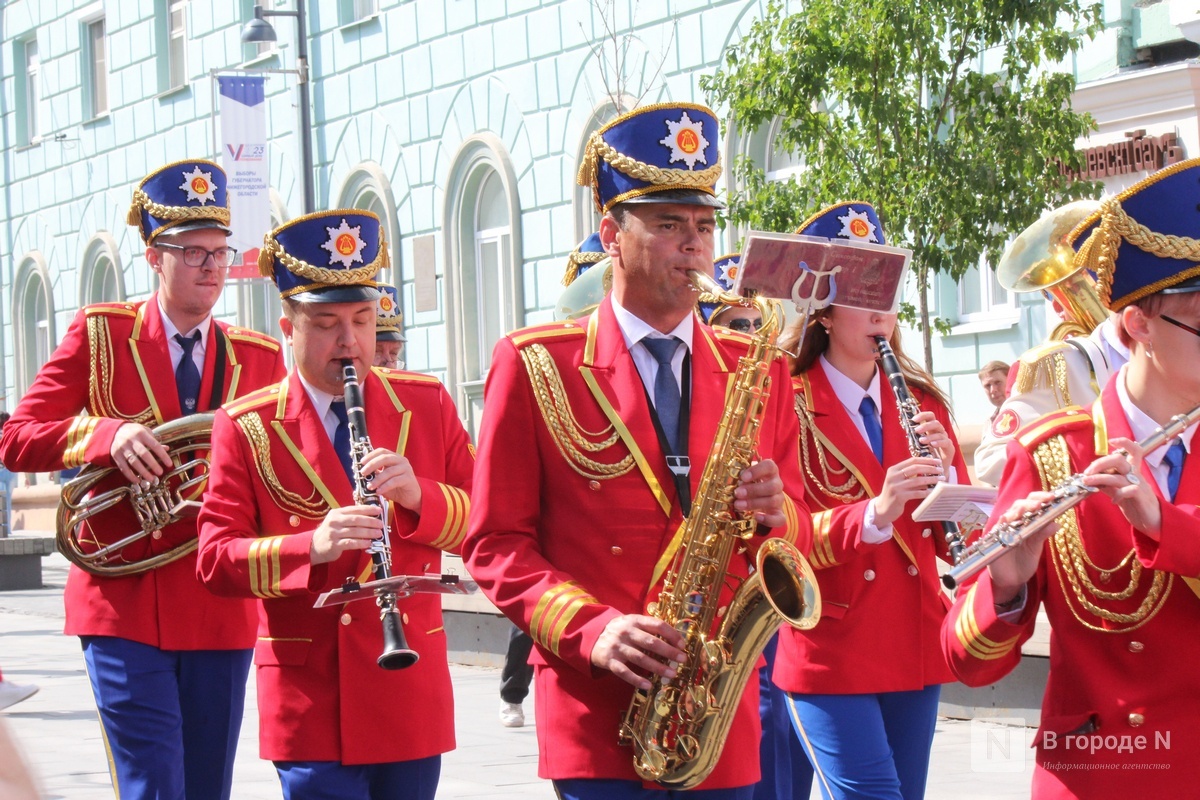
<point x="571" y="540"/>
<point x="866" y="723"/>
<point x="389" y="329"/>
<point x="279" y="524"/>
<point x="167" y="660"/>
<point x="1117" y="580"/>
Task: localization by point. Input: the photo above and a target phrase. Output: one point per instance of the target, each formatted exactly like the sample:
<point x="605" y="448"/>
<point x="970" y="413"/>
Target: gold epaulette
<point x="543" y="333"/>
<point x="251" y="336"/>
<point x="252" y="401"/>
<point x="404" y="376"/>
<point x="111" y="310"/>
<point x="1056" y="422"/>
<point x="1043" y="367"/>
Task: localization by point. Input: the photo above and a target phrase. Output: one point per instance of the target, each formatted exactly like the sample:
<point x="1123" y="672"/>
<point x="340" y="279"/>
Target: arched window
<point x="485" y="294"/>
<point x="587" y="218"/>
<point x="33" y="318"/>
<point x="103" y="277"/>
<point x="368" y="189"/>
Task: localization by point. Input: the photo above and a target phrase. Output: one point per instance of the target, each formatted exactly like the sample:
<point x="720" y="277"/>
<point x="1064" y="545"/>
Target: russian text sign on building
<point x="244" y="156"/>
<point x="1138" y="153"/>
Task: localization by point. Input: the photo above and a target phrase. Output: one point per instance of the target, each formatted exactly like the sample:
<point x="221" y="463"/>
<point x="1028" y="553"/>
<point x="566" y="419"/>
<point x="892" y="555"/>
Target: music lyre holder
<point x="402" y="585"/>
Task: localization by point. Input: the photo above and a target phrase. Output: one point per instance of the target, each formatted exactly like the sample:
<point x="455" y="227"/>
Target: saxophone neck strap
<point x="678" y="464"/>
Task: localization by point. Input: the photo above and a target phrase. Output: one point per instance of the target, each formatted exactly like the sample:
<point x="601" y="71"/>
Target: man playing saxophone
<point x="167" y="660"/>
<point x="1117" y="578"/>
<point x="613" y="417"/>
<point x="281" y="524"/>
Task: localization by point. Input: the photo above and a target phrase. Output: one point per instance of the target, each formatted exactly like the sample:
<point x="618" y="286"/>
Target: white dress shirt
<point x="1142" y="426"/>
<point x="175" y="349"/>
<point x="322" y="402"/>
<point x="634" y="330"/>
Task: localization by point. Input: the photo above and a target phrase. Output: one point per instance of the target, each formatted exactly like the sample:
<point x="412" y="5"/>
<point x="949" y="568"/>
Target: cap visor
<point x="389" y="336"/>
<point x="1192" y="284"/>
<point x="195" y="225"/>
<point x="338" y="294"/>
<point x="683" y="197"/>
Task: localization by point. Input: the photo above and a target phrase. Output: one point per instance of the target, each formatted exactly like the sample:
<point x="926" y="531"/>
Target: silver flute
<point x="1065" y="496"/>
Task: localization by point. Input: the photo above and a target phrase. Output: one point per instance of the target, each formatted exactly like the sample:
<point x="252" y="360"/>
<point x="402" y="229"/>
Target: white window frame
<point x="993" y="314"/>
<point x="95" y="62"/>
<point x="31" y="63"/>
<point x="176" y="74"/>
<point x="100" y="257"/>
<point x="34" y="331"/>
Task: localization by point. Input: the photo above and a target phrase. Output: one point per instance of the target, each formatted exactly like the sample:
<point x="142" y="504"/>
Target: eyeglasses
<point x="197" y="256"/>
<point x="1179" y="324"/>
<point x="744" y="325"/>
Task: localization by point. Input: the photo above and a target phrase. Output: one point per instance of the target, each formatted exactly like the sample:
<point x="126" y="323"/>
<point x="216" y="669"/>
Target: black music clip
<point x="679" y="465"/>
<point x="351" y="585"/>
<point x="449" y="579"/>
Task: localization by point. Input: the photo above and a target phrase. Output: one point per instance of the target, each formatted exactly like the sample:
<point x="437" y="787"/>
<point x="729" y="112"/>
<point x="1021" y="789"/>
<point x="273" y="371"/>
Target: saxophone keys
<point x="664" y="700"/>
<point x="652" y="764"/>
<point x="687" y="747"/>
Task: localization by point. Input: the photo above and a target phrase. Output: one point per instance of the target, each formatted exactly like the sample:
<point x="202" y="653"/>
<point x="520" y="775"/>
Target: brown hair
<point x="993" y="366"/>
<point x="816" y="342"/>
<point x="1154" y="305"/>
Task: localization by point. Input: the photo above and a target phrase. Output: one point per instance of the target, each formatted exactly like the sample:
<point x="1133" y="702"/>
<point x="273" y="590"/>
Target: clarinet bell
<point x="396" y="654"/>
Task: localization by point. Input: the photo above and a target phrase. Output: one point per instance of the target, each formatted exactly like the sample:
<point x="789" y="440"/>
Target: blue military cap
<point x="389" y="319"/>
<point x="852" y="219"/>
<point x="1145" y="240"/>
<point x="662" y="153"/>
<point x="725" y="270"/>
<point x="326" y="257"/>
<point x="583" y="257"/>
<point x="182" y="196"/>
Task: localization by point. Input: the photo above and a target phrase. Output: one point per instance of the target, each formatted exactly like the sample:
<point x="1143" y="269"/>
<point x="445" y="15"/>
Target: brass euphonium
<point x="83" y="536"/>
<point x="1041" y="260"/>
<point x="678" y="727"/>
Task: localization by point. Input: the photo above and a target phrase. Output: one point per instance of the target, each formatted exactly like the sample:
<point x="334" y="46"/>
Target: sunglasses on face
<point x="744" y="325"/>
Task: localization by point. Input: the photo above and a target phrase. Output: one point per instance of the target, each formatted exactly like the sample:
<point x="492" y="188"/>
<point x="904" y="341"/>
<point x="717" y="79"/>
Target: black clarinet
<point x="396" y="654"/>
<point x="909" y="408"/>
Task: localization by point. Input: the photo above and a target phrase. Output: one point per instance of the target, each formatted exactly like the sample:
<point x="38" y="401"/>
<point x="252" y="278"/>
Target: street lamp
<point x="259" y="30"/>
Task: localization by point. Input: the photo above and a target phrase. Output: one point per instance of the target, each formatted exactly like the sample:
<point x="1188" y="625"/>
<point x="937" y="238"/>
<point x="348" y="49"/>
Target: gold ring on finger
<point x="1133" y="478"/>
<point x="131" y="457"/>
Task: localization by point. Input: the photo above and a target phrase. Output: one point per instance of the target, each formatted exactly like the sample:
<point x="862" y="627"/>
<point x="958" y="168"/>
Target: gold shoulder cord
<point x="1071" y="561"/>
<point x="260" y="446"/>
<point x="572" y="440"/>
<point x="100" y="375"/>
<point x="827" y="483"/>
<point x="1049" y="372"/>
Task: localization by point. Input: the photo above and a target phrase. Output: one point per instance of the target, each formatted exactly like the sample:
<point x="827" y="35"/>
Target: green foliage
<point x="946" y="115"/>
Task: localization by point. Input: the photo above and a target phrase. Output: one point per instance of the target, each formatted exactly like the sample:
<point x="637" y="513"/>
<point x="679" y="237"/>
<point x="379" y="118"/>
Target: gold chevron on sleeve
<point x="966" y="628"/>
<point x="264" y="566"/>
<point x="822" y="550"/>
<point x="454" y="530"/>
<point x="78" y="436"/>
<point x="554" y="612"/>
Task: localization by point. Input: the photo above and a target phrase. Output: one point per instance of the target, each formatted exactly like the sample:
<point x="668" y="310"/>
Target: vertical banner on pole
<point x="244" y="156"/>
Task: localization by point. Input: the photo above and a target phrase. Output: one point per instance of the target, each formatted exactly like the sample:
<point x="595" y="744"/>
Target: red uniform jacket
<point x="113" y="366"/>
<point x="884" y="598"/>
<point x="562" y="554"/>
<point x="321" y="696"/>
<point x="1112" y="681"/>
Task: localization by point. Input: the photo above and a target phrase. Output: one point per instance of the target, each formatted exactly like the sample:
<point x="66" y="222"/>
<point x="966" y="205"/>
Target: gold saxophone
<point x="678" y="727"/>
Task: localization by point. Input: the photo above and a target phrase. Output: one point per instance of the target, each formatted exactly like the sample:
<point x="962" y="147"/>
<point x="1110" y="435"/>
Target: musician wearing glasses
<point x="578" y="510"/>
<point x="1116" y="575"/>
<point x="389" y="329"/>
<point x="167" y="660"/>
<point x="283" y="522"/>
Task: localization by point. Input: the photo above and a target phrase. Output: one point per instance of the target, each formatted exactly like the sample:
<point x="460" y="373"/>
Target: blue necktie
<point x="1174" y="461"/>
<point x="187" y="377"/>
<point x="871" y="424"/>
<point x="341" y="437"/>
<point x="666" y="388"/>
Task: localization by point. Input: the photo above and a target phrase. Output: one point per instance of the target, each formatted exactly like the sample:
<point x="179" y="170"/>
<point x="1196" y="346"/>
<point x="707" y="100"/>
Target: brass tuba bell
<point x="586" y="292"/>
<point x="1041" y="260"/>
<point x="83" y="536"/>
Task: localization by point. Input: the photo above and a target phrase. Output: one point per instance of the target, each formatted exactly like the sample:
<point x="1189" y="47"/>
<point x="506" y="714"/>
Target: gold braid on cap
<point x="575" y="260"/>
<point x="272" y="250"/>
<point x="597" y="149"/>
<point x="1099" y="252"/>
<point x="142" y="201"/>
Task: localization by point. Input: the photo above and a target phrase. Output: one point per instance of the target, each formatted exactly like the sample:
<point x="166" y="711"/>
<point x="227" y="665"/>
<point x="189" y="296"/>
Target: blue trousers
<point x="868" y="745"/>
<point x="786" y="773"/>
<point x="170" y="718"/>
<point x="611" y="789"/>
<point x="331" y="780"/>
